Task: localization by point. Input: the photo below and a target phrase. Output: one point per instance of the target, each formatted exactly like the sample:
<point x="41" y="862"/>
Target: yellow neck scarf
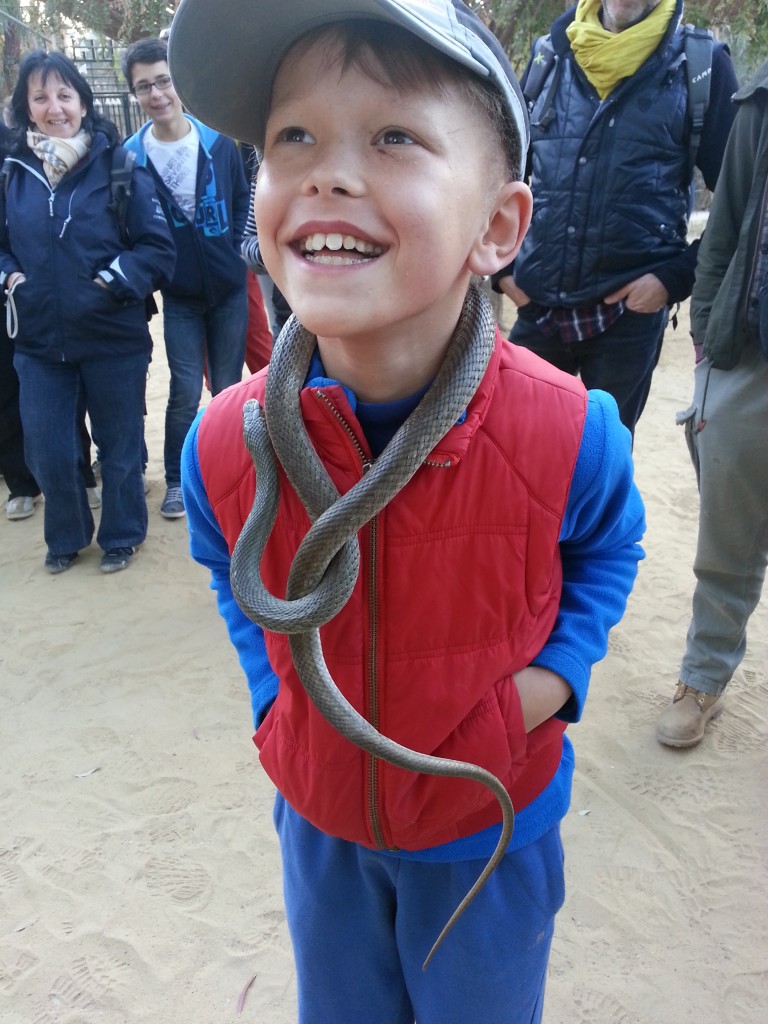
<point x="608" y="57"/>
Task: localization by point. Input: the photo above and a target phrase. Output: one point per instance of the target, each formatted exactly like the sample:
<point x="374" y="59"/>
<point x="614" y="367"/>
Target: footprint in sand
<point x="598" y="1006"/>
<point x="14" y="965"/>
<point x="166" y="796"/>
<point x="59" y="867"/>
<point x="66" y="996"/>
<point x="100" y="976"/>
<point x="9" y="878"/>
<point x="170" y="830"/>
<point x="186" y="884"/>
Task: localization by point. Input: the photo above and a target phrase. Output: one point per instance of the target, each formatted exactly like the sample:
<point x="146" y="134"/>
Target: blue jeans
<point x="620" y="361"/>
<point x="732" y="550"/>
<point x="362" y="922"/>
<point x="52" y="396"/>
<point x="194" y="332"/>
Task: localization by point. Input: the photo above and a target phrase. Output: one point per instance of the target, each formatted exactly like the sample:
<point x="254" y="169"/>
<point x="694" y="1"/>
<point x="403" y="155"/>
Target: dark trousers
<point x="620" y="361"/>
<point x="53" y="396"/>
<point x="194" y="333"/>
<point x="18" y="478"/>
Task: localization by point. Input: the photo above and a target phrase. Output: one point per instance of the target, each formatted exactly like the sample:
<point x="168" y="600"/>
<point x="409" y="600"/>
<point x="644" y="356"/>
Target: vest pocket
<point x="421" y="809"/>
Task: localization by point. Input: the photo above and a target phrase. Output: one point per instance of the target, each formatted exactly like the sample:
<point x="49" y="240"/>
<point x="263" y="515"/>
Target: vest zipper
<point x="366" y="463"/>
<point x="371" y="694"/>
<point x="372" y="685"/>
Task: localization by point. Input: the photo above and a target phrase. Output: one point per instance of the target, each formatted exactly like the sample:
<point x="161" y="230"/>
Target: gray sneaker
<point x="20" y="508"/>
<point x="173" y="504"/>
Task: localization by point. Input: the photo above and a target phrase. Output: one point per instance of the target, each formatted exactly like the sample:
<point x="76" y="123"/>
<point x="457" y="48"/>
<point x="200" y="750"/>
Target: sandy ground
<point x="139" y="873"/>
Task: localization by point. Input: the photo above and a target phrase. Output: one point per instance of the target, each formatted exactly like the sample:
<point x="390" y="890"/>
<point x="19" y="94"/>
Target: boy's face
<point x="371" y="204"/>
<point x="161" y="102"/>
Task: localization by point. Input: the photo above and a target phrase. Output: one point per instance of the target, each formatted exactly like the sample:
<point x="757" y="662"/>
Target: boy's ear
<point x="504" y="232"/>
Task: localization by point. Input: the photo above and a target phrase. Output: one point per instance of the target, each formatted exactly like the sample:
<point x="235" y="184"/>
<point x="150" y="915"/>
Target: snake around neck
<point x="326" y="565"/>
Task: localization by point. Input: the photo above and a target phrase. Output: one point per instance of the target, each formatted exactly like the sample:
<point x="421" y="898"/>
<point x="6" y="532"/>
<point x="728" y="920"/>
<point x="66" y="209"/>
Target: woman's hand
<point x="17" y="277"/>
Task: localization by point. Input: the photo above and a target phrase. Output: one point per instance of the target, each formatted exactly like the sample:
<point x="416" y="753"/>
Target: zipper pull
<point x="50" y="205"/>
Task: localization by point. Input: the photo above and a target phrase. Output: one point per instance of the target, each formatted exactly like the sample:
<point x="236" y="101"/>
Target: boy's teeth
<point x="336" y="241"/>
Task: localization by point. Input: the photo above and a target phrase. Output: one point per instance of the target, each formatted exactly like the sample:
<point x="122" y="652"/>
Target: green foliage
<point x="743" y="24"/>
<point x="516" y="23"/>
<point x="121" y="20"/>
<point x="44" y="22"/>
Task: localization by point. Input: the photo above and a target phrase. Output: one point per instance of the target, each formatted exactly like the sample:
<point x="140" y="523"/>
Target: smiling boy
<point x="393" y="136"/>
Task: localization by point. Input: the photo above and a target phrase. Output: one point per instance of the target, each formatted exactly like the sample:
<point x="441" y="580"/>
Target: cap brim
<point x="223" y="54"/>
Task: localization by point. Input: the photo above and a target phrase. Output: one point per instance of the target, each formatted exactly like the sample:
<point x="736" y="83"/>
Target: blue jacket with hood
<point x="208" y="265"/>
<point x="611" y="179"/>
<point x="62" y="238"/>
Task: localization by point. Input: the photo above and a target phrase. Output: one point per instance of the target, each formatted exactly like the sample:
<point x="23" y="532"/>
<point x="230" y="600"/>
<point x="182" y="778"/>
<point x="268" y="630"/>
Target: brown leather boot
<point x="683" y="722"/>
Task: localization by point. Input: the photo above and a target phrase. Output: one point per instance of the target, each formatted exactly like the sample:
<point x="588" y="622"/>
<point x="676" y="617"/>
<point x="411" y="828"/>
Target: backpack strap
<point x="5" y="174"/>
<point x="120" y="179"/>
<point x="539" y="67"/>
<point x="698" y="44"/>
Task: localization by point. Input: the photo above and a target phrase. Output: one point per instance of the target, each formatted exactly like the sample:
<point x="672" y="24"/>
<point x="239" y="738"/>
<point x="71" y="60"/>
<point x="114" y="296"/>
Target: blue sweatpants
<point x="362" y="923"/>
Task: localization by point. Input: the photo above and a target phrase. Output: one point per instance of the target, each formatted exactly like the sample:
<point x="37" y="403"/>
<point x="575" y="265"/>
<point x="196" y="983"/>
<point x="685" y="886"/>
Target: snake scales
<point x="326" y="565"/>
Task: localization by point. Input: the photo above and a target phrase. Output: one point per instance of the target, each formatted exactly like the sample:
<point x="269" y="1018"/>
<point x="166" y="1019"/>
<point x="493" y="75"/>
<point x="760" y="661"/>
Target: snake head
<point x="252" y="414"/>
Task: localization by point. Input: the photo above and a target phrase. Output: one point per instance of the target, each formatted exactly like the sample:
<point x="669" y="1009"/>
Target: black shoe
<point x="59" y="563"/>
<point x="116" y="559"/>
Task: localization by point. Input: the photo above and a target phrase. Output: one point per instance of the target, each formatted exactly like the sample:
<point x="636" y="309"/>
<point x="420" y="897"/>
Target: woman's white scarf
<point x="58" y="155"/>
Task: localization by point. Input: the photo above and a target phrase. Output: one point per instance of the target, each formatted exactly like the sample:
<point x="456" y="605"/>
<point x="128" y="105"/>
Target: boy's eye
<point x="294" y="134"/>
<point x="395" y="137"/>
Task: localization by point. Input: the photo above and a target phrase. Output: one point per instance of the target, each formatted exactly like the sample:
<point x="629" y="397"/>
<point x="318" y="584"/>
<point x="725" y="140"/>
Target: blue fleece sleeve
<point x="209" y="548"/>
<point x="600" y="550"/>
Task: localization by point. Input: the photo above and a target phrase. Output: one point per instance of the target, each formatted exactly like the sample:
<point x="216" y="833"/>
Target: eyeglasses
<point x="161" y="83"/>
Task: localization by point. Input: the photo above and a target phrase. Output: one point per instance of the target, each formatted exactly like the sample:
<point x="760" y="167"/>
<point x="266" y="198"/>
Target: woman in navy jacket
<point x="75" y="302"/>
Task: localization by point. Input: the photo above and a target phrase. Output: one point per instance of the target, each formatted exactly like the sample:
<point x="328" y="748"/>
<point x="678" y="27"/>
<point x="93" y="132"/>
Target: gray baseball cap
<point x="224" y="54"/>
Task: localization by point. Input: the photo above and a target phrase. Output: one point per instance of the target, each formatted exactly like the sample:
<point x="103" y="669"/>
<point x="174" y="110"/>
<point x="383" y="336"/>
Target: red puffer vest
<point x="459" y="589"/>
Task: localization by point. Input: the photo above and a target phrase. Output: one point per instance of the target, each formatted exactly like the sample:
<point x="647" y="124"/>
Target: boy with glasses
<point x="204" y="194"/>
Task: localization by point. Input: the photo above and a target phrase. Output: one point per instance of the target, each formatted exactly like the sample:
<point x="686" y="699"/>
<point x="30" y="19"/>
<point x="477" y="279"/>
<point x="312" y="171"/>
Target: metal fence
<point x="122" y="109"/>
<point x="98" y="60"/>
<point x="92" y="50"/>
